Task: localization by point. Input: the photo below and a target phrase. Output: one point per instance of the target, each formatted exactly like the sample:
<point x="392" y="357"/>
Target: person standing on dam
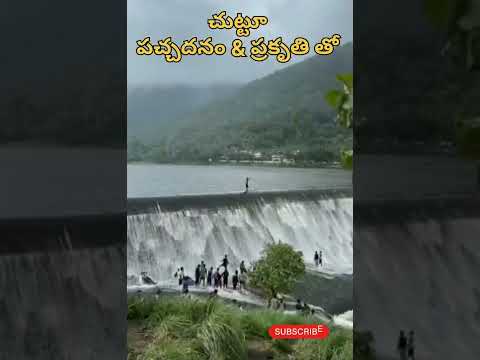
<point x="411" y="345"/>
<point x="224" y="262"/>
<point x="209" y="276"/>
<point x="235" y="280"/>
<point x="402" y="346"/>
<point x="243" y="269"/>
<point x="181" y="274"/>
<point x="203" y="273"/>
<point x="197" y="275"/>
<point x="216" y="278"/>
<point x="225" y="279"/>
<point x="320" y="258"/>
<point x="246" y="185"/>
<point x="316" y="258"/>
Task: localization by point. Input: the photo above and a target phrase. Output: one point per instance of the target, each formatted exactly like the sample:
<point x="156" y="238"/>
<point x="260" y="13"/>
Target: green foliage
<point x="283" y="346"/>
<point x="278" y="113"/>
<point x="334" y="98"/>
<point x="342" y="100"/>
<point x="256" y="323"/>
<point x="182" y="328"/>
<point x="277" y="270"/>
<point x="337" y="346"/>
<point x="347" y="80"/>
<point x="139" y="309"/>
<point x="347" y="159"/>
<point x="222" y="338"/>
<point x="159" y="111"/>
<point x="189" y="329"/>
<point x="176" y="349"/>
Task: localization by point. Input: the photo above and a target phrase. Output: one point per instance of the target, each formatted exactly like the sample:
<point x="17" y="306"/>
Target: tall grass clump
<point x="256" y="323"/>
<point x="171" y="350"/>
<point x="182" y="328"/>
<point x="139" y="308"/>
<point x="222" y="339"/>
<point x="337" y="346"/>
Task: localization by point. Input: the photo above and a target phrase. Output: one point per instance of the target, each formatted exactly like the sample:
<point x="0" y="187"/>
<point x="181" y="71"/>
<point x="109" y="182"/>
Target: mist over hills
<point x="155" y="112"/>
<point x="283" y="112"/>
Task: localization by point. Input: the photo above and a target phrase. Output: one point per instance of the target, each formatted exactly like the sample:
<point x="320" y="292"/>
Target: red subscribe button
<point x="298" y="331"/>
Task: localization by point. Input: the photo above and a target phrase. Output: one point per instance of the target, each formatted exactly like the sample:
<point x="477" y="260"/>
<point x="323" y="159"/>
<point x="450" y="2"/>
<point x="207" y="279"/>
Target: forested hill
<point x="155" y="112"/>
<point x="284" y="112"/>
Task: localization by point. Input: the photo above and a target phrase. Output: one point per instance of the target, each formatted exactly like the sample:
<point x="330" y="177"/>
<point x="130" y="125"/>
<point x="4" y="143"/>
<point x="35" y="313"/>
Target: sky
<point x="183" y="19"/>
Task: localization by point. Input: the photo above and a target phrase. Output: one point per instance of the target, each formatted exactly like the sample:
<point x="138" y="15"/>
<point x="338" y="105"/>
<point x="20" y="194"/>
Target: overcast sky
<point x="183" y="19"/>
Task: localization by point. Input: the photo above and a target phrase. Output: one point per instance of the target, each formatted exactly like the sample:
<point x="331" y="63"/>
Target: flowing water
<point x="164" y="240"/>
<point x="182" y="215"/>
<point x="419" y="271"/>
<point x="62" y="294"/>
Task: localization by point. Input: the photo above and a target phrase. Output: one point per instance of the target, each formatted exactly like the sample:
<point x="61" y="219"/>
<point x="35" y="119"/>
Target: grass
<point x="179" y="328"/>
<point x="256" y="323"/>
<point x="337" y="346"/>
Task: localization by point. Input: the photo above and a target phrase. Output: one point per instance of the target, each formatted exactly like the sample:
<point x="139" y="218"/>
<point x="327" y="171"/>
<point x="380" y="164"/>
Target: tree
<point x="137" y="151"/>
<point x="461" y="20"/>
<point x="342" y="102"/>
<point x="279" y="267"/>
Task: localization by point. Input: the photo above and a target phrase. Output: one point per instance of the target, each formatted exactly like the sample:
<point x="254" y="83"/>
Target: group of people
<point x="318" y="258"/>
<point x="406" y="347"/>
<point x="216" y="278"/>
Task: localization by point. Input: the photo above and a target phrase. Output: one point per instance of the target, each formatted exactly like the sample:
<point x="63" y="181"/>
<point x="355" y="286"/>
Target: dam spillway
<point x="164" y="234"/>
<point x="416" y="268"/>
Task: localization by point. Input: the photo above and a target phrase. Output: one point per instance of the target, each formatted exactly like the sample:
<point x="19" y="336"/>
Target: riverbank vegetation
<point x="184" y="328"/>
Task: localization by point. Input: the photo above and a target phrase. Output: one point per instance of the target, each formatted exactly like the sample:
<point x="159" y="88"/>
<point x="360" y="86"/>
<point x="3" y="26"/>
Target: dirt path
<point x="136" y="339"/>
<point x="259" y="350"/>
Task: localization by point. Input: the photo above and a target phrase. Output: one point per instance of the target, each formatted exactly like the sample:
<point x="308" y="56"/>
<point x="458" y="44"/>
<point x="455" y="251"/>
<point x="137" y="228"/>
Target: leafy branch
<point x="342" y="101"/>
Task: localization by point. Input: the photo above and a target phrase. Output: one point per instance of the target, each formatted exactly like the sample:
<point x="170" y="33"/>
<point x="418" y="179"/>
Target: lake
<point x="151" y="180"/>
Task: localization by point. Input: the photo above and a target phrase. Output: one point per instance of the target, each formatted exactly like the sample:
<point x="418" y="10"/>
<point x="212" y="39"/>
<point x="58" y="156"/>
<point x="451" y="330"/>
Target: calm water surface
<point x="145" y="180"/>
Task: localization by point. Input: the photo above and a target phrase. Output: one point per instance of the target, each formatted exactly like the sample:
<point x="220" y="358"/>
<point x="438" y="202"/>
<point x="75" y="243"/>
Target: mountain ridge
<point x="284" y="111"/>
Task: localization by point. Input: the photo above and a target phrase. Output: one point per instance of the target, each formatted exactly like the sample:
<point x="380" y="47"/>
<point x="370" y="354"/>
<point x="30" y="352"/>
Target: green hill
<point x="155" y="112"/>
<point x="280" y="113"/>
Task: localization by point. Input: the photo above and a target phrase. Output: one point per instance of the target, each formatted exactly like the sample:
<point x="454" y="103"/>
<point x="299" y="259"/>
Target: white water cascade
<point x="161" y="241"/>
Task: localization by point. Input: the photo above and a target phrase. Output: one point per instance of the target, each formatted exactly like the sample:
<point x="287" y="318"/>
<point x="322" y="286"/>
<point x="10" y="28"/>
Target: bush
<point x="221" y="340"/>
<point x="139" y="309"/>
<point x="279" y="267"/>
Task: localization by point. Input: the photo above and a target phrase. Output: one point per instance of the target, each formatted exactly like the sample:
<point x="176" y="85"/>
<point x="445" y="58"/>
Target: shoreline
<point x="249" y="164"/>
